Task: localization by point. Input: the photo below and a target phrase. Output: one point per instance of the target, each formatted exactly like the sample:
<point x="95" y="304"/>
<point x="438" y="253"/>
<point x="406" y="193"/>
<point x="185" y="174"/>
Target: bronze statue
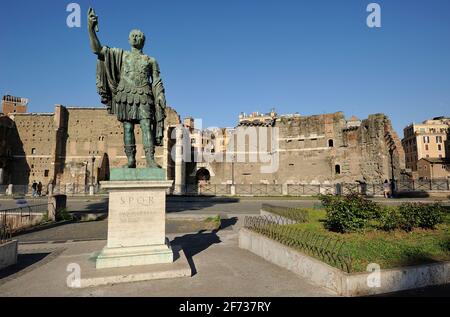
<point x="130" y="86"/>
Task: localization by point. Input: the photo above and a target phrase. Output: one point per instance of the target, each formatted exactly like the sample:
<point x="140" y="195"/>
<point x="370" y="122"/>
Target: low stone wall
<point x="344" y="284"/>
<point x="18" y="221"/>
<point x="8" y="254"/>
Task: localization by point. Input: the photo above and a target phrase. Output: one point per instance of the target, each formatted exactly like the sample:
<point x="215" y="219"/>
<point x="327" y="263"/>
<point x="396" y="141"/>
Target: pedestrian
<point x="39" y="189"/>
<point x="386" y="188"/>
<point x="34" y="189"/>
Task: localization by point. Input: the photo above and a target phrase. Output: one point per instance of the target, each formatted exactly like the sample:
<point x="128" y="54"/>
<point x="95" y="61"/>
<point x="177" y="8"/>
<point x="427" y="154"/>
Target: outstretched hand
<point x="92" y="20"/>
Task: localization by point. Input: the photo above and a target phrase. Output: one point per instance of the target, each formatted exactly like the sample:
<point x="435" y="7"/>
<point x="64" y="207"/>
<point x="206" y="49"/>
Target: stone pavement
<point x="220" y="269"/>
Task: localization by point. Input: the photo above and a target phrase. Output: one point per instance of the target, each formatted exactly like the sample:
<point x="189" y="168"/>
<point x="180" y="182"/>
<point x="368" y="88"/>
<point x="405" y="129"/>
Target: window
<point x="439" y="147"/>
<point x="426" y="147"/>
<point x="330" y="143"/>
<point x="46" y="172"/>
<point x="337" y="169"/>
<point x="33" y="151"/>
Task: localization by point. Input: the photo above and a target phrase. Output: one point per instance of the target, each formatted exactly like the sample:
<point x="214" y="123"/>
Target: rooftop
<point x="436" y="160"/>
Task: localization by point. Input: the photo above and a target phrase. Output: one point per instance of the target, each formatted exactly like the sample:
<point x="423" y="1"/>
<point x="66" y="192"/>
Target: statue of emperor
<point x="130" y="85"/>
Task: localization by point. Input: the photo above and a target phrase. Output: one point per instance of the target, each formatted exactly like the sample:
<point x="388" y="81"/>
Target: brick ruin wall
<point x="312" y="147"/>
<point x="59" y="147"/>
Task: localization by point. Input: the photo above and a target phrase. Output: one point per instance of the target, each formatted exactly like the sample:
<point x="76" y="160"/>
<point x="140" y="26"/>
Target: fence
<point x="296" y="190"/>
<point x="259" y="189"/>
<point x="63" y="189"/>
<point x="262" y="189"/>
<point x="76" y="189"/>
<point x="207" y="190"/>
<point x="21" y="217"/>
<point x="329" y="249"/>
<point x="296" y="215"/>
<point x="5" y="234"/>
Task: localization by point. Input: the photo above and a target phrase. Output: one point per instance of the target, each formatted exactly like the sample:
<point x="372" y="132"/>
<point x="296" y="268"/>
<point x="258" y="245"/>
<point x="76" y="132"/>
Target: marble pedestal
<point x="136" y="219"/>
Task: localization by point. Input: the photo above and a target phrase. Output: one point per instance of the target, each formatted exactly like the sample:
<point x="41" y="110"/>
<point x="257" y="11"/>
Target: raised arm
<point x="92" y="30"/>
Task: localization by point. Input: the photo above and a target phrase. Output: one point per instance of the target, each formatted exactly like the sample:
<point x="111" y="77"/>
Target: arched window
<point x="337" y="169"/>
<point x="330" y="143"/>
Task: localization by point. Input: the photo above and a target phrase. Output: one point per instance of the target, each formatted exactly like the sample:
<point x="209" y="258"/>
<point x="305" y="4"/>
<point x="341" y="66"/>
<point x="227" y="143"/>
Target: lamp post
<point x="392" y="148"/>
<point x="91" y="187"/>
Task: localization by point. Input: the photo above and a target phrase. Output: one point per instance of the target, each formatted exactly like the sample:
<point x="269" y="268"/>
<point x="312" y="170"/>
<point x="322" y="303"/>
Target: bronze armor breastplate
<point x="135" y="70"/>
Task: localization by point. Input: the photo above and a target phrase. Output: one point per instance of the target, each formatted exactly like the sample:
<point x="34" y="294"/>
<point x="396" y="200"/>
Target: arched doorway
<point x="202" y="176"/>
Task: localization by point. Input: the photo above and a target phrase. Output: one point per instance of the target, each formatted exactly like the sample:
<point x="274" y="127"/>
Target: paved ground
<point x="220" y="267"/>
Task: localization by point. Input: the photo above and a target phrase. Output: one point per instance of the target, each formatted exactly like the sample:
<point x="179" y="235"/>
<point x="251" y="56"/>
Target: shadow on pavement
<point x="432" y="291"/>
<point x="193" y="244"/>
<point x="24" y="262"/>
<point x="228" y="223"/>
<point x="179" y="204"/>
<point x="173" y="204"/>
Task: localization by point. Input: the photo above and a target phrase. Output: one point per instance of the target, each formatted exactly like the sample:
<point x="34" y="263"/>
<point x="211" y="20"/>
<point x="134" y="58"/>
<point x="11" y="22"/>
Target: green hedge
<point x="351" y="213"/>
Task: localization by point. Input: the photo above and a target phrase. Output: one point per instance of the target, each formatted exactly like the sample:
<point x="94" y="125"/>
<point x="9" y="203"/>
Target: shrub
<point x="349" y="213"/>
<point x="389" y="219"/>
<point x="63" y="215"/>
<point x="417" y="215"/>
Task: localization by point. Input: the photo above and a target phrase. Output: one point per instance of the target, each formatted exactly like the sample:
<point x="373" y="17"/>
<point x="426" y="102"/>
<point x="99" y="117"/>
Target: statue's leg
<point x="148" y="140"/>
<point x="130" y="144"/>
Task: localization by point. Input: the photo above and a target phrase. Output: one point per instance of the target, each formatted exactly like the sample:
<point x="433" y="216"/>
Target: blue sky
<point x="219" y="57"/>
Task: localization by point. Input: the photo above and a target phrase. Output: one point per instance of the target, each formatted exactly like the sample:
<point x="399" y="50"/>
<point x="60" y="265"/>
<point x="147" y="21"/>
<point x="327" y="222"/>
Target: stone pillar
<point x="136" y="219"/>
<point x="284" y="189"/>
<point x="233" y="190"/>
<point x="10" y="190"/>
<point x="56" y="204"/>
<point x="91" y="190"/>
<point x="50" y="189"/>
<point x="180" y="167"/>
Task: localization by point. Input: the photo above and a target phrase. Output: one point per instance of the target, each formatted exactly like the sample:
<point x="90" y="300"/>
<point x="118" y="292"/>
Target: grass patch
<point x="213" y="223"/>
<point x="388" y="249"/>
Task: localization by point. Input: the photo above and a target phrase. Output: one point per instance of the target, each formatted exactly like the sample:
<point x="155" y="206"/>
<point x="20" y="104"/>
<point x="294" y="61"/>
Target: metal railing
<point x="296" y="215"/>
<point x="328" y="249"/>
<point x="259" y="189"/>
<point x="75" y="189"/>
<point x="5" y="233"/>
<point x="310" y="189"/>
<point x="66" y="189"/>
<point x="25" y="211"/>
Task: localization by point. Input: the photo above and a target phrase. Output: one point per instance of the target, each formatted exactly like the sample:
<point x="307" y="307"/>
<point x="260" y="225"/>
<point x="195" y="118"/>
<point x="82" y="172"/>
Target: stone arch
<point x="337" y="169"/>
<point x="202" y="176"/>
<point x="330" y="143"/>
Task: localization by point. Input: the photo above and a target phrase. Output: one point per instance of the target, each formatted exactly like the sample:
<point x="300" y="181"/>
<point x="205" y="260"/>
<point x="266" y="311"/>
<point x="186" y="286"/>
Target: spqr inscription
<point x="142" y="201"/>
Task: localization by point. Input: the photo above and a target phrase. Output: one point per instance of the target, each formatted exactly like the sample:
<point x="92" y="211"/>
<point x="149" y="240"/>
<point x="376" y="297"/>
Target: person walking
<point x="386" y="189"/>
<point x="34" y="189"/>
<point x="39" y="189"/>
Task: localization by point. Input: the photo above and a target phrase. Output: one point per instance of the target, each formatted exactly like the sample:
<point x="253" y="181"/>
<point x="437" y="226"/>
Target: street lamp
<point x="92" y="169"/>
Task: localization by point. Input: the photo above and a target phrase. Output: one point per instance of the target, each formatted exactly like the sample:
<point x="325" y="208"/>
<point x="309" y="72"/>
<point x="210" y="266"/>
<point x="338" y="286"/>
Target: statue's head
<point x="137" y="39"/>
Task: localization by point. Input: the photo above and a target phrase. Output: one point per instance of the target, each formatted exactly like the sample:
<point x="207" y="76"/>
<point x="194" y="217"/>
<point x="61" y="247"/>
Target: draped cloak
<point x="130" y="103"/>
